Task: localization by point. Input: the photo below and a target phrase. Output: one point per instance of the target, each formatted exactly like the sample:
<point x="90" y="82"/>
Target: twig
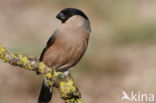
<point x="67" y="88"/>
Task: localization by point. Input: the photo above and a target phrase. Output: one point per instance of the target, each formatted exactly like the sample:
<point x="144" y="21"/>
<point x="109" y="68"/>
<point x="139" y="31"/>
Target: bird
<point x="66" y="46"/>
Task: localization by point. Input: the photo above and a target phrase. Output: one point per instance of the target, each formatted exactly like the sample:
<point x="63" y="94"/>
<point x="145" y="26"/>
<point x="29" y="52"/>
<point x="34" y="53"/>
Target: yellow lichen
<point x="42" y="66"/>
<point x="80" y="101"/>
<point x="2" y="50"/>
<point x="74" y="100"/>
<point x="48" y="75"/>
<point x="67" y="87"/>
<point x="23" y="59"/>
<point x="2" y="53"/>
<point x="6" y="58"/>
<point x="12" y="55"/>
<point x="29" y="67"/>
<point x="56" y="73"/>
<point x="49" y="82"/>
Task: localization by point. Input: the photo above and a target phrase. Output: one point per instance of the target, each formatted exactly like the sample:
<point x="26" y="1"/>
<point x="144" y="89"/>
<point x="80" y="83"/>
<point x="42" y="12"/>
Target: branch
<point x="67" y="88"/>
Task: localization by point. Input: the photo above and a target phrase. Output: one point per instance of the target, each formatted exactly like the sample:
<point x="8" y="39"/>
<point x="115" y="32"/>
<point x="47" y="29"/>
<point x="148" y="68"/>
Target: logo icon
<point x="125" y="96"/>
<point x="137" y="97"/>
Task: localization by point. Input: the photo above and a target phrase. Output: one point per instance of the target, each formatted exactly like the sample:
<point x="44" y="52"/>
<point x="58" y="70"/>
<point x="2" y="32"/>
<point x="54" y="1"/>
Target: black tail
<point x="45" y="94"/>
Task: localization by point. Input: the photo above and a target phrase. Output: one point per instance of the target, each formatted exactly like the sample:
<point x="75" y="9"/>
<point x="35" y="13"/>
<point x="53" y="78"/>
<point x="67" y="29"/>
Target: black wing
<point x="49" y="43"/>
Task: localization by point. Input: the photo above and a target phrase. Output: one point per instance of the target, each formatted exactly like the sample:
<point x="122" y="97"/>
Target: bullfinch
<point x="66" y="46"/>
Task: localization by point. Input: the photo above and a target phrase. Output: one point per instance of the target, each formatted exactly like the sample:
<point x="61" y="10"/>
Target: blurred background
<point x="121" y="53"/>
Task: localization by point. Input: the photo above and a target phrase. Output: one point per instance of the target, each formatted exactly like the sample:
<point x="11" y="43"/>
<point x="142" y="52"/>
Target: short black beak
<point x="59" y="16"/>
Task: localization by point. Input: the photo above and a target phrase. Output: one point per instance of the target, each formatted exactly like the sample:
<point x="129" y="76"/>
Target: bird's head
<point x="65" y="14"/>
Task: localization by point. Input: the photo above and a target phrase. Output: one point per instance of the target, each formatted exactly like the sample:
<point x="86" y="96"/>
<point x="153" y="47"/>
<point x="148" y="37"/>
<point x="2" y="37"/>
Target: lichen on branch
<point x="67" y="88"/>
